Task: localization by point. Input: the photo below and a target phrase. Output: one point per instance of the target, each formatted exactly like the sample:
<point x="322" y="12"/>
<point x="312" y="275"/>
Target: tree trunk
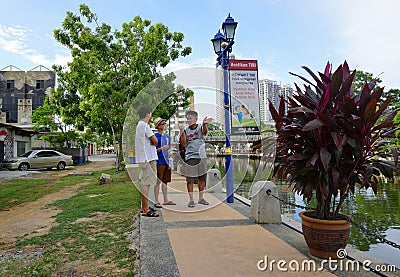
<point x="120" y="157"/>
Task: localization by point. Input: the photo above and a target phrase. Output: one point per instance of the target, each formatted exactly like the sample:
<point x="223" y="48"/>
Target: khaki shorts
<point x="163" y="173"/>
<point x="148" y="174"/>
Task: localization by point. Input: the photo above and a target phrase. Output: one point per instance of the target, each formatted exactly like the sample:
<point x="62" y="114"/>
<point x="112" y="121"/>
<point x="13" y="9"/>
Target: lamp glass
<point x="229" y="27"/>
<point x="217" y="41"/>
<point x="217" y="46"/>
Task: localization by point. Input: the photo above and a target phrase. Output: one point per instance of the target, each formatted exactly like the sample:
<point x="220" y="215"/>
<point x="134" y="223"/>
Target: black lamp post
<point x="222" y="47"/>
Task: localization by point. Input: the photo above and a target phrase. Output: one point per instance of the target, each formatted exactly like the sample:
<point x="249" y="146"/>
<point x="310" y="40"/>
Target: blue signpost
<point x="222" y="47"/>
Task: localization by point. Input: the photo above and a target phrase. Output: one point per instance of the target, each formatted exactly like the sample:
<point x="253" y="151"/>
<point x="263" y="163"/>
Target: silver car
<point x="38" y="159"/>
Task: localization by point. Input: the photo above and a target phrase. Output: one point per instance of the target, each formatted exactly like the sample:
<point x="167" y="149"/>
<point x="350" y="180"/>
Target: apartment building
<point x="179" y="118"/>
<point x="271" y="91"/>
<point x="21" y="92"/>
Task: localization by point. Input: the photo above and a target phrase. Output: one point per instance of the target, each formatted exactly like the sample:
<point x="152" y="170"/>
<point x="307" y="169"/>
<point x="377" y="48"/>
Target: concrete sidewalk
<point x="219" y="240"/>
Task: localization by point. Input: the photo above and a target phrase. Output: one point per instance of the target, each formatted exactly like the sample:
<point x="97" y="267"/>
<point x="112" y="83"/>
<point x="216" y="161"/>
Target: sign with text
<point x="245" y="102"/>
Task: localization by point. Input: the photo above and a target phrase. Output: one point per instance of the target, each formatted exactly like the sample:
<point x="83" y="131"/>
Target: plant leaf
<point x="335" y="177"/>
<point x="325" y="157"/>
<point x="304" y="79"/>
<point x="395" y="155"/>
<point x="313" y="160"/>
<point x="336" y="82"/>
<point x="369" y="114"/>
<point x="327" y="69"/>
<point x="297" y="157"/>
<point x="325" y="99"/>
<point x="312" y="125"/>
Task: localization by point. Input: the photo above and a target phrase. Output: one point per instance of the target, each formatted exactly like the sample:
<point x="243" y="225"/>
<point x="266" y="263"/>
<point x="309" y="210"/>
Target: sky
<point x="283" y="35"/>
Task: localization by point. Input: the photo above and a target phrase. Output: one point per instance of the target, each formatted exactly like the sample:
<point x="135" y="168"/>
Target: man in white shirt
<point x="146" y="157"/>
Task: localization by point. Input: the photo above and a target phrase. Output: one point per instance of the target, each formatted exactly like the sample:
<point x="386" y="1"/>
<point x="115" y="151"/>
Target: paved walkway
<point x="219" y="240"/>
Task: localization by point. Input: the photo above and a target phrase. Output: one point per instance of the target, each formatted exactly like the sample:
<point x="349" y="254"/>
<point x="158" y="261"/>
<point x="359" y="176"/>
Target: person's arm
<point x="182" y="138"/>
<point x="204" y="125"/>
<point x="153" y="140"/>
<point x="149" y="134"/>
<point x="161" y="147"/>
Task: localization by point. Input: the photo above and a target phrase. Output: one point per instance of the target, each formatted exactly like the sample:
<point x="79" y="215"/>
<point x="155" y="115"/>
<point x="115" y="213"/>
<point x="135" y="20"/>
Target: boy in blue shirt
<point x="163" y="169"/>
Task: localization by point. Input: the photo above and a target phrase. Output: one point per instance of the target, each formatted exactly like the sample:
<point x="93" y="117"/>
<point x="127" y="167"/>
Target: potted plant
<point x="329" y="140"/>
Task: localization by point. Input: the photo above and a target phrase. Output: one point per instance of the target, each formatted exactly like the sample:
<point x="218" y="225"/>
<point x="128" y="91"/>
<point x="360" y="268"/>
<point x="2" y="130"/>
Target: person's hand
<point x="181" y="127"/>
<point x="207" y="120"/>
<point x="165" y="147"/>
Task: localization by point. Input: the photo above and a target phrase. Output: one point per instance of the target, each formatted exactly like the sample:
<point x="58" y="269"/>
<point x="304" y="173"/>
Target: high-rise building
<point x="21" y="92"/>
<point x="268" y="90"/>
<point x="179" y="118"/>
<point x="286" y="91"/>
<point x="271" y="91"/>
<point x="219" y="97"/>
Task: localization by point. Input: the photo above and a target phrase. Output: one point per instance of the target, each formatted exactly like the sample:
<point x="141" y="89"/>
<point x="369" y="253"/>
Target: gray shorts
<point x="148" y="174"/>
<point x="196" y="169"/>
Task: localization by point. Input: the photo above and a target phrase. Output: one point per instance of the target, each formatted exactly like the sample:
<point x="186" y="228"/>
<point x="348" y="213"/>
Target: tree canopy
<point x="109" y="68"/>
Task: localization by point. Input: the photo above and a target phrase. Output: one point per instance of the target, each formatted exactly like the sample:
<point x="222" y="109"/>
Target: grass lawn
<point x="91" y="235"/>
<point x="18" y="191"/>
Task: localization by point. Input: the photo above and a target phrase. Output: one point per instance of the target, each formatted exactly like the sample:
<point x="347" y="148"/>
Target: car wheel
<point x="61" y="166"/>
<point x="23" y="167"/>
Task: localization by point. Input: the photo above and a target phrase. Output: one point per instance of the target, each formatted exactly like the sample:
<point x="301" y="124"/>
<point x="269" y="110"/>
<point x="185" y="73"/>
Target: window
<point x="10" y="84"/>
<point x="39" y="84"/>
<point x="20" y="148"/>
<point x="52" y="154"/>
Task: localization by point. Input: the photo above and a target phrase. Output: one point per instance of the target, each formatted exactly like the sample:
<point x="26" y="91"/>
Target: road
<point x="8" y="174"/>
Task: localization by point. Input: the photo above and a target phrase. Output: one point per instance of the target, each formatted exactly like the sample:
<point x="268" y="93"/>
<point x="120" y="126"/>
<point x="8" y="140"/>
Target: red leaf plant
<point x="332" y="138"/>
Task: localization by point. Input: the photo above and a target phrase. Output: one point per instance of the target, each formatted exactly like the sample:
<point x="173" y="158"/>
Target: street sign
<point x="245" y="101"/>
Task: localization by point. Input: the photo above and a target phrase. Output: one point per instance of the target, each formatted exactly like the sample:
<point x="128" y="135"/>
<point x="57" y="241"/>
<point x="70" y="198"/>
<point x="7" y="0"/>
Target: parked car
<point x="38" y="159"/>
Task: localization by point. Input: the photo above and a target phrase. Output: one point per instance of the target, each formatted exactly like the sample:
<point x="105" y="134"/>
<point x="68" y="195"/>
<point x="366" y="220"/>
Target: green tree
<point x="365" y="77"/>
<point x="395" y="93"/>
<point x="46" y="118"/>
<point x="109" y="68"/>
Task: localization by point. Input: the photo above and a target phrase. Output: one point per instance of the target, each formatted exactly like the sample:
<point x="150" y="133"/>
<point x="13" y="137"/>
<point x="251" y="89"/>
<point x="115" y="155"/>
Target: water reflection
<point x="380" y="214"/>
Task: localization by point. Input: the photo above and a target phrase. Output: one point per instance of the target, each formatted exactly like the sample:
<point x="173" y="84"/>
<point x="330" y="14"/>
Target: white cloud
<point x="372" y="42"/>
<point x="15" y="40"/>
<point x="178" y="65"/>
<point x="12" y="39"/>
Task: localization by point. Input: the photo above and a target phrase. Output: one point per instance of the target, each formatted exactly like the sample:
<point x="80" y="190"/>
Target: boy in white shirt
<point x="146" y="157"/>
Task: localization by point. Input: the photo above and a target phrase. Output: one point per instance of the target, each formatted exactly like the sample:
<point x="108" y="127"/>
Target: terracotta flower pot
<point x="324" y="237"/>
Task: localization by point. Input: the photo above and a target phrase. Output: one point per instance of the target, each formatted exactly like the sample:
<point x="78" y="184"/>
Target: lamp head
<point x="217" y="41"/>
<point x="229" y="27"/>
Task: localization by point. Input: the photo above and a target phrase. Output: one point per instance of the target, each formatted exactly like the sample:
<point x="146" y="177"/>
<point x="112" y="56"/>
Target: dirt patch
<point x="34" y="218"/>
<point x="98" y="216"/>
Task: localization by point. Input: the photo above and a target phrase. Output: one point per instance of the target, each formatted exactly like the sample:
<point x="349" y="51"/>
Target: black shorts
<point x="196" y="169"/>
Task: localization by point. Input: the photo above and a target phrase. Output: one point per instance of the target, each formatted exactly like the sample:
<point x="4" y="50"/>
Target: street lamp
<point x="222" y="44"/>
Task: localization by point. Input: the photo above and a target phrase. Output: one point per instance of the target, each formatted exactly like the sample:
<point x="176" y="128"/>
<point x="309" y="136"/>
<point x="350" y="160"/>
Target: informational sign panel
<point x="245" y="102"/>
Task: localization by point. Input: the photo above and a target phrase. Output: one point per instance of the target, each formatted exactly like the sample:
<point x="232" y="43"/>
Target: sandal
<point x="170" y="202"/>
<point x="150" y="208"/>
<point x="151" y="213"/>
<point x="158" y="205"/>
<point x="203" y="202"/>
<point x="191" y="204"/>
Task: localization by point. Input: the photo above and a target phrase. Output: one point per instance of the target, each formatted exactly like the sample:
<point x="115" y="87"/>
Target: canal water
<point x="379" y="213"/>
